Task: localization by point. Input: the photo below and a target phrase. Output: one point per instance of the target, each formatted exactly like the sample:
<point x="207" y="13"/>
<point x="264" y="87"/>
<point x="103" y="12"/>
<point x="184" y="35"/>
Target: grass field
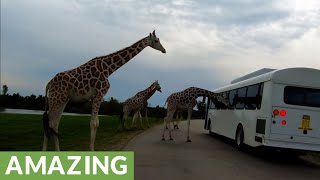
<point x="25" y="133"/>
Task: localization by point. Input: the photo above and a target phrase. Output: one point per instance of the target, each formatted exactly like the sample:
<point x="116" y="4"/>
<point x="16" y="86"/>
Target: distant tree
<point x="4" y="90"/>
<point x="30" y="102"/>
<point x="111" y="107"/>
<point x="4" y="98"/>
<point x="158" y="112"/>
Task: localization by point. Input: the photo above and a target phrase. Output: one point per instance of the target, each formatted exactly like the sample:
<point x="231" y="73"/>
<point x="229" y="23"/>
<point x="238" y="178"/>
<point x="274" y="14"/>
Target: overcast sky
<point x="208" y="43"/>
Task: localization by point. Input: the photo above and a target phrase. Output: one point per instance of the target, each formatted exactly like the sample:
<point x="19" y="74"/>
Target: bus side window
<point x="259" y="97"/>
<point x="225" y="94"/>
<point x="252" y="97"/>
<point x="241" y="98"/>
<point x="220" y="105"/>
<point x="232" y="98"/>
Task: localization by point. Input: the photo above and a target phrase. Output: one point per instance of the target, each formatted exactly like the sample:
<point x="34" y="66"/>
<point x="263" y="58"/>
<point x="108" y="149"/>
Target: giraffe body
<point x="88" y="82"/>
<point x="137" y="103"/>
<point x="186" y="100"/>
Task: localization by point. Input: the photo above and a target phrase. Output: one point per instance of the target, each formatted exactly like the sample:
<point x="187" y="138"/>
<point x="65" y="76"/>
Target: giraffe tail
<point x="165" y="104"/>
<point x="46" y="126"/>
<point x="121" y="118"/>
<point x="45" y="119"/>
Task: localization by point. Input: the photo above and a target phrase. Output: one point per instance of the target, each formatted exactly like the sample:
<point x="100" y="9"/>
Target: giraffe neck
<point x="147" y="93"/>
<point x="110" y="63"/>
<point x="203" y="92"/>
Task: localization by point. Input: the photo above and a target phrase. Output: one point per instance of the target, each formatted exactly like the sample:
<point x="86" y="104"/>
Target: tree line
<point x="110" y="106"/>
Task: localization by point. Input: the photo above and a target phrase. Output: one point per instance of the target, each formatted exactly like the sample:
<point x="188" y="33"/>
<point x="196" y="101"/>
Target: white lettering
<point x="96" y="161"/>
<point x="41" y="163"/>
<point x="14" y="161"/>
<point x="74" y="164"/>
<point x="55" y="160"/>
<point x="87" y="165"/>
<point x="122" y="167"/>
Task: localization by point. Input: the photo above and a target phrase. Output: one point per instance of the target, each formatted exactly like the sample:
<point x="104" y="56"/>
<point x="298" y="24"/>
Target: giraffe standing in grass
<point x="88" y="82"/>
<point x="137" y="103"/>
<point x="186" y="100"/>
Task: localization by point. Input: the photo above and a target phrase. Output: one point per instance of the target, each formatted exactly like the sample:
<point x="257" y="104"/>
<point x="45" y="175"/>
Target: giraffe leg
<point x="123" y="121"/>
<point x="140" y="118"/>
<point x="174" y="123"/>
<point x="45" y="143"/>
<point x="146" y="115"/>
<point x="189" y="117"/>
<point x="94" y="123"/>
<point x="54" y="115"/>
<point x="180" y="117"/>
<point x="170" y="131"/>
<point x="134" y="119"/>
<point x="164" y="127"/>
<point x="167" y="121"/>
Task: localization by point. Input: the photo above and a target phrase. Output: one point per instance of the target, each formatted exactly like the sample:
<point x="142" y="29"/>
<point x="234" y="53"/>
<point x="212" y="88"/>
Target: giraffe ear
<point x="150" y="35"/>
<point x="154" y="33"/>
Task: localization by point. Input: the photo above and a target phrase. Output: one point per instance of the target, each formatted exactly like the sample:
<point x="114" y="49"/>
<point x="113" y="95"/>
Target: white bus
<point x="275" y="108"/>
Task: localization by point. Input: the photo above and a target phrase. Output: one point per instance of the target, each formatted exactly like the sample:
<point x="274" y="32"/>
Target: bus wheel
<point x="239" y="138"/>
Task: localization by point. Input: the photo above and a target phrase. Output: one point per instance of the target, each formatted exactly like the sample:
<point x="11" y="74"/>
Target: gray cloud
<point x="208" y="43"/>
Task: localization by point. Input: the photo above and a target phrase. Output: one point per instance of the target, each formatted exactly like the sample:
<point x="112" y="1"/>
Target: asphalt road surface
<point x="210" y="157"/>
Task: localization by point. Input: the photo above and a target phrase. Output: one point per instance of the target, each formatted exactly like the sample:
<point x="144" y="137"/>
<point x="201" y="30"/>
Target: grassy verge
<point x="25" y="133"/>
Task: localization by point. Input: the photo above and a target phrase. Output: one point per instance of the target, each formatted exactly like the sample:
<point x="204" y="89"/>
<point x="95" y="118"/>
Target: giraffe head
<point x="157" y="86"/>
<point x="154" y="42"/>
<point x="223" y="99"/>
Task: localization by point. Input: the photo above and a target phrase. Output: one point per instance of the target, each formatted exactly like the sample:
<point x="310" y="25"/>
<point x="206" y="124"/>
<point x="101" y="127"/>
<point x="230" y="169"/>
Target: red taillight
<point x="283" y="122"/>
<point x="276" y="112"/>
<point x="283" y="113"/>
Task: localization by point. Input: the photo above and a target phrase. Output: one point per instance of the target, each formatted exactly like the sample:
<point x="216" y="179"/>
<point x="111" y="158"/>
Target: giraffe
<point x="179" y="117"/>
<point x="185" y="101"/>
<point x="137" y="103"/>
<point x="88" y="82"/>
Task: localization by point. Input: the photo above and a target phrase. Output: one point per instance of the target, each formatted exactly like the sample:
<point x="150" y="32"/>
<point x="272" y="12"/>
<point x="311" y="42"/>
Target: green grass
<point x="25" y="133"/>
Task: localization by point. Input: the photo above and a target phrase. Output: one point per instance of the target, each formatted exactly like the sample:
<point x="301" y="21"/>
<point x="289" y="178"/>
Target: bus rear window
<point x="302" y="96"/>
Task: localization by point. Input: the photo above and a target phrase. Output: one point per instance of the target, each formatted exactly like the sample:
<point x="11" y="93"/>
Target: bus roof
<point x="253" y="74"/>
<point x="306" y="77"/>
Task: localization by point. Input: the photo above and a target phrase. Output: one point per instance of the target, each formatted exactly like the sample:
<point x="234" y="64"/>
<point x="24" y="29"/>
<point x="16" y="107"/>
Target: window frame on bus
<point x="232" y="97"/>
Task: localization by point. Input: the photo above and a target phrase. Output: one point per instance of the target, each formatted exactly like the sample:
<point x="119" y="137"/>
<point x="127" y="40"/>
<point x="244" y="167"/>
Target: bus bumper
<point x="306" y="146"/>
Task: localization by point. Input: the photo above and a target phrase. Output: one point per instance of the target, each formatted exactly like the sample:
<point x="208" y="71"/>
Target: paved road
<point x="209" y="157"/>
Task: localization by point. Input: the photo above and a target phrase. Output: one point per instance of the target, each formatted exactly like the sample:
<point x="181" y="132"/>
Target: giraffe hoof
<point x="188" y="140"/>
<point x="171" y="139"/>
<point x="163" y="139"/>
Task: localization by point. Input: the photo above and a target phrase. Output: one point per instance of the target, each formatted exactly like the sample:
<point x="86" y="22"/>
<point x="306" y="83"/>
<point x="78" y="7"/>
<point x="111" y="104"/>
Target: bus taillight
<point x="283" y="112"/>
<point x="283" y="122"/>
<point x="276" y="112"/>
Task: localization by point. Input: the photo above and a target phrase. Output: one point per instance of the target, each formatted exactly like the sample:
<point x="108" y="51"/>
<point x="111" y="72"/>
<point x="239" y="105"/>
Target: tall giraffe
<point x="137" y="103"/>
<point x="88" y="82"/>
<point x="186" y="100"/>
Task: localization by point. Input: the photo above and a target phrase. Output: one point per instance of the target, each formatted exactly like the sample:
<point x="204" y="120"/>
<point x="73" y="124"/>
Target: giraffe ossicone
<point x="137" y="103"/>
<point x="186" y="100"/>
<point x="87" y="82"/>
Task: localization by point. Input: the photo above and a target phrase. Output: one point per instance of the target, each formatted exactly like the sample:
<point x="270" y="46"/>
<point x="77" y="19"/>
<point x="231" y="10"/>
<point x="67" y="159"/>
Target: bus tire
<point x="239" y="138"/>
